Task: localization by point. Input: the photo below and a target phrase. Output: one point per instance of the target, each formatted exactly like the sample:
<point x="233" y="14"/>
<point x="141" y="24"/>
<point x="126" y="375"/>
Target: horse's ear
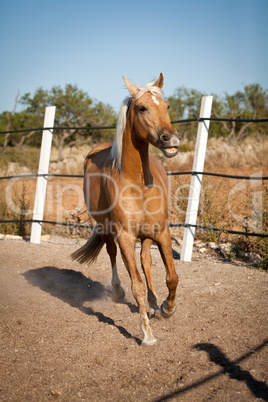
<point x="160" y="82"/>
<point x="131" y="87"/>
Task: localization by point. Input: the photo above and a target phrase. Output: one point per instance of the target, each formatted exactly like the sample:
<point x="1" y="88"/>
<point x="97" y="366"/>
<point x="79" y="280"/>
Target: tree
<point x="13" y="121"/>
<point x="251" y="103"/>
<point x="185" y="104"/>
<point x="74" y="108"/>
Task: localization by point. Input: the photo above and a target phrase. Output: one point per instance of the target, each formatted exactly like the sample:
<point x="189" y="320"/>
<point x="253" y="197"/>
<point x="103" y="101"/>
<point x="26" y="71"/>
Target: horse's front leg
<point x="168" y="307"/>
<point x="127" y="247"/>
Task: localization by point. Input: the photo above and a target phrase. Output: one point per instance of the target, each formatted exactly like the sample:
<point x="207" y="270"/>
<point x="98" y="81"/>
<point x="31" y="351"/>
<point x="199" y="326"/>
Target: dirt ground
<point x="63" y="338"/>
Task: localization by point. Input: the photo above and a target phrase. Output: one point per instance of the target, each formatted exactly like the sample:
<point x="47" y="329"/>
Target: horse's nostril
<point x="165" y="137"/>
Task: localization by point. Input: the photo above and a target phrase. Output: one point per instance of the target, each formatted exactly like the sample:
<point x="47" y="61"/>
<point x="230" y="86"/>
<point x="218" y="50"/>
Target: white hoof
<point x="149" y="342"/>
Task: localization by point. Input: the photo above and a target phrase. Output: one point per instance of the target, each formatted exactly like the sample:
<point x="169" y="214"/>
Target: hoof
<point x="155" y="313"/>
<point x="118" y="294"/>
<point x="149" y="342"/>
<point x="165" y="311"/>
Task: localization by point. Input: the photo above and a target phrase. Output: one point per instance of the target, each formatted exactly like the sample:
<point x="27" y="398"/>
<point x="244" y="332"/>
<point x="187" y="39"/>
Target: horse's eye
<point x="142" y="109"/>
<point x="168" y="106"/>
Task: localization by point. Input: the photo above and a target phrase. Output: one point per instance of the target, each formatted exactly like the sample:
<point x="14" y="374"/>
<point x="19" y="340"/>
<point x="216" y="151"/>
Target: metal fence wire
<point x="198" y="119"/>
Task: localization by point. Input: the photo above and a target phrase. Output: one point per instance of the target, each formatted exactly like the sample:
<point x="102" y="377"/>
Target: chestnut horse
<point x="125" y="191"/>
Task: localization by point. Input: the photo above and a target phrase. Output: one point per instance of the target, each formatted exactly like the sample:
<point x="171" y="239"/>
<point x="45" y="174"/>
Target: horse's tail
<point x="89" y="252"/>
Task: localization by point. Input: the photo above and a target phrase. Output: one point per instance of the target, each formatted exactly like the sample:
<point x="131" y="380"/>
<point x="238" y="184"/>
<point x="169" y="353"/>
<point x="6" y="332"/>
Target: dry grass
<point x="233" y="204"/>
<point x="220" y="155"/>
<point x="225" y="203"/>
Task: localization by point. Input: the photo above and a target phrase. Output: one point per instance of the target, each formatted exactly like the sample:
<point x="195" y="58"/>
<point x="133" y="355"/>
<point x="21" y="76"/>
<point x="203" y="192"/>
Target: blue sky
<point x="210" y="45"/>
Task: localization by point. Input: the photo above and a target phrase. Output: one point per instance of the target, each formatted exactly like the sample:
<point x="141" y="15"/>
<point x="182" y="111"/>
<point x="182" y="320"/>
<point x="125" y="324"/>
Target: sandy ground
<point x="62" y="336"/>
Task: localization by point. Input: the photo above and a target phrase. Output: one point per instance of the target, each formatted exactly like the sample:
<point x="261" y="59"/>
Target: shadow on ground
<point x="228" y="367"/>
<point x="75" y="289"/>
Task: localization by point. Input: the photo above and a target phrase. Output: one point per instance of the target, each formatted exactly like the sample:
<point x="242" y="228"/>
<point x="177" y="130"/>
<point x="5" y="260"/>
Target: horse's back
<point x="98" y="157"/>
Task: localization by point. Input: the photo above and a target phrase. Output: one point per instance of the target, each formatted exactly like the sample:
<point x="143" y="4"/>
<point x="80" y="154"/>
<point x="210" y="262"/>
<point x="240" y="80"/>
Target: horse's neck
<point x="135" y="159"/>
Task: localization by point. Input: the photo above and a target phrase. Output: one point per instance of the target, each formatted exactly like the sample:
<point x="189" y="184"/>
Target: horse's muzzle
<point x="169" y="143"/>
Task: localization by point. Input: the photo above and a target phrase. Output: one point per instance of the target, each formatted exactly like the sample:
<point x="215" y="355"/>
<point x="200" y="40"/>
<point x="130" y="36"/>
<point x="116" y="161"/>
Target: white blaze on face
<point x="155" y="100"/>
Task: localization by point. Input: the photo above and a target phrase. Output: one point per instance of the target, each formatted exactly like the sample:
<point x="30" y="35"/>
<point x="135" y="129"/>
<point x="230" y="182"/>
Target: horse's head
<point x="150" y="117"/>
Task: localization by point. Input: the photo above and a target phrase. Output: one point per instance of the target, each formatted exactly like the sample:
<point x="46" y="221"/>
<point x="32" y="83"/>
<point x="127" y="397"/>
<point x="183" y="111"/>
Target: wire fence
<point x="227" y="176"/>
<point x="198" y="119"/>
<point x="171" y="225"/>
<point x="195" y="119"/>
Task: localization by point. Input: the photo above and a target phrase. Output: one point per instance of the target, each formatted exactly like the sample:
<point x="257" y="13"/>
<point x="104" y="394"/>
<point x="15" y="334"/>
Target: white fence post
<point x="198" y="166"/>
<point x="40" y="194"/>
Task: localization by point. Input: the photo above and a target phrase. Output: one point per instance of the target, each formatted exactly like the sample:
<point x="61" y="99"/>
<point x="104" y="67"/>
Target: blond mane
<point x="116" y="151"/>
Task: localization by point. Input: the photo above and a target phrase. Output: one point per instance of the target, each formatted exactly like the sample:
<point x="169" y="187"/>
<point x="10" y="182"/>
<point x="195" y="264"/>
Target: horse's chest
<point x="143" y="203"/>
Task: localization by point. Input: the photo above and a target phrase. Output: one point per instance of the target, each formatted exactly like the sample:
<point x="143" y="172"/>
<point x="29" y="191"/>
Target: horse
<point x="125" y="190"/>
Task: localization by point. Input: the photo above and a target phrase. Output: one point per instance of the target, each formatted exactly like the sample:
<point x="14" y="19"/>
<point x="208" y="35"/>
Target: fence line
<point x="58" y="128"/>
<point x="226" y="176"/>
<point x="194" y="173"/>
<point x="172" y="225"/>
<point x="195" y="119"/>
<point x="221" y="119"/>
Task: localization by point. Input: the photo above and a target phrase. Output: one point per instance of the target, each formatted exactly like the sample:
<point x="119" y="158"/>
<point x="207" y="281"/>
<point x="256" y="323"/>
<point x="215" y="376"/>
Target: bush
<point x="24" y="156"/>
<point x="19" y="228"/>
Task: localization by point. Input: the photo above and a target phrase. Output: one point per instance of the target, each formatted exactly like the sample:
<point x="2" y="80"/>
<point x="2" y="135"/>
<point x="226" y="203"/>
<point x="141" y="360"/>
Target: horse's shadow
<point x="258" y="388"/>
<point x="75" y="289"/>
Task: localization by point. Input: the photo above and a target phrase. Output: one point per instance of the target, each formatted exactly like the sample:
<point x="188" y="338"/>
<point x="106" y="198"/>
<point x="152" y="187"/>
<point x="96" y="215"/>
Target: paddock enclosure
<point x="62" y="336"/>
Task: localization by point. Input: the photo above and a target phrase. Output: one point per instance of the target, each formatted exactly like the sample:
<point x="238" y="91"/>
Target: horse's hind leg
<point x="118" y="292"/>
<point x="146" y="263"/>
